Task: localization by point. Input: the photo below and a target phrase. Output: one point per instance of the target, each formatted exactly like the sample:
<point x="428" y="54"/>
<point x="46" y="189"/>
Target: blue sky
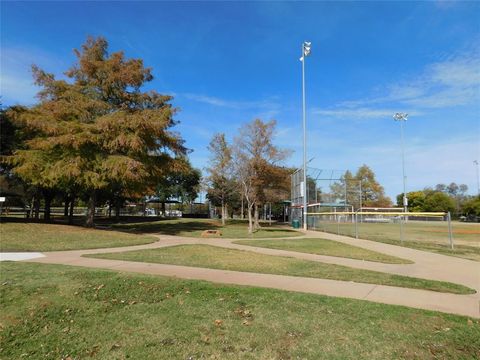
<point x="227" y="63"/>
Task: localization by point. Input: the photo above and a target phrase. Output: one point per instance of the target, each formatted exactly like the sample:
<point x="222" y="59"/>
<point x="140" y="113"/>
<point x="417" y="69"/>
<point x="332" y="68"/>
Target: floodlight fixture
<point x="307" y="48"/>
<point x="400" y="116"/>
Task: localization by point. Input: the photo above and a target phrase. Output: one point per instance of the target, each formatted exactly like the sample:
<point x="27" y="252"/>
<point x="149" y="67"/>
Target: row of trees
<point x="452" y="198"/>
<point x="95" y="135"/>
<point x="248" y="170"/>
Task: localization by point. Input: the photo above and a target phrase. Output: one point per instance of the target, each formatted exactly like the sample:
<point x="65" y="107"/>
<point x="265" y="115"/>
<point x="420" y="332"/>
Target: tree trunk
<point x="241" y="210"/>
<point x="30" y="211"/>
<point x="36" y="206"/>
<point x="48" y="195"/>
<point x="223" y="213"/>
<point x="118" y="205"/>
<point x="256" y="223"/>
<point x="70" y="214"/>
<point x="164" y="209"/>
<point x="89" y="221"/>
<point x="250" y="220"/>
<point x="66" y="201"/>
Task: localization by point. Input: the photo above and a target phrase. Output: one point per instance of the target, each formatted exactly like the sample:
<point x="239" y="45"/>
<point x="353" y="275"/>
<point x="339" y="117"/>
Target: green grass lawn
<point x="429" y="236"/>
<point x="17" y="236"/>
<point x="60" y="312"/>
<point x="194" y="228"/>
<point x="462" y="251"/>
<point x="238" y="260"/>
<point x="325" y="247"/>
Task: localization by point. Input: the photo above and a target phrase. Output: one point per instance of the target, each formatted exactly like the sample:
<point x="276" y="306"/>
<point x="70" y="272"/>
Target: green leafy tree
<point x="471" y="208"/>
<point x="441" y="187"/>
<point x="438" y="201"/>
<point x="416" y="201"/>
<point x="458" y="192"/>
<point x="182" y="184"/>
<point x="98" y="129"/>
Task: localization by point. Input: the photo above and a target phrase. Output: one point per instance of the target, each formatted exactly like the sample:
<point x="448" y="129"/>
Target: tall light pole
<point x="475" y="162"/>
<point x="306" y="48"/>
<point x="402" y="117"/>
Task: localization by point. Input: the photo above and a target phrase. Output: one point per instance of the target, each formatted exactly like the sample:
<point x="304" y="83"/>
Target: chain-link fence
<point x="394" y="226"/>
<point x="335" y="205"/>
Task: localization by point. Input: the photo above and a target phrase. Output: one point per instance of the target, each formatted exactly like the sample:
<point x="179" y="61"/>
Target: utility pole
<point x="306" y="49"/>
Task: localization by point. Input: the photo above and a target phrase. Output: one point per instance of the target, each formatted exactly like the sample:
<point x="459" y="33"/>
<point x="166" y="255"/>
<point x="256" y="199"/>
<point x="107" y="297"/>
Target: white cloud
<point x="450" y="83"/>
<point x="454" y="82"/>
<point x="427" y="163"/>
<point x="358" y="113"/>
<point x="445" y="4"/>
<point x="215" y="101"/>
<point x="17" y="89"/>
<point x="16" y="82"/>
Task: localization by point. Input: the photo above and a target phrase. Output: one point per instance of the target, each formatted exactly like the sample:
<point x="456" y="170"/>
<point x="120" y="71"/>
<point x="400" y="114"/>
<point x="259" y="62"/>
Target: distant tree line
<point x="94" y="137"/>
<point x="444" y="198"/>
<point x="362" y="189"/>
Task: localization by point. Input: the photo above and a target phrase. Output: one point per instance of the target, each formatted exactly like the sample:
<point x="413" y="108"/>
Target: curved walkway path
<point x="426" y="265"/>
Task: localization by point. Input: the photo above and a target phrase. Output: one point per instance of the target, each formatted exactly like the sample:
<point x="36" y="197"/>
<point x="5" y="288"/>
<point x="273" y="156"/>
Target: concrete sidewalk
<point x="427" y="265"/>
<point x="19" y="256"/>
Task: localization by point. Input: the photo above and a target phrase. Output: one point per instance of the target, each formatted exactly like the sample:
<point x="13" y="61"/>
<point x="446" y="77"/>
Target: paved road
<point x="426" y="265"/>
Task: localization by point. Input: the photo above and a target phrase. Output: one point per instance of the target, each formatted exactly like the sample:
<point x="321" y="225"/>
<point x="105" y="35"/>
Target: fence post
<point x="450" y="235"/>
<point x="401" y="229"/>
<point x="356" y="226"/>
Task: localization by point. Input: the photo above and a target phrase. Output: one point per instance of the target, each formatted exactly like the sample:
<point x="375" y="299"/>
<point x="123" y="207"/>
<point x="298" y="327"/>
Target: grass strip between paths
<point x="461" y="251"/>
<point x="60" y="312"/>
<point x="238" y="260"/>
<point x="427" y="236"/>
<point x="325" y="247"/>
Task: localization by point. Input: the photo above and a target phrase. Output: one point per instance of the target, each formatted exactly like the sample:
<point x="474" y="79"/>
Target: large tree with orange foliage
<point x="98" y="130"/>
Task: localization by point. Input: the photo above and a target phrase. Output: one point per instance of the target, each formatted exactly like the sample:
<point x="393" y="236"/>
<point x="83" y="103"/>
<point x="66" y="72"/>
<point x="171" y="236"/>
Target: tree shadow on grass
<point x="167" y="227"/>
<point x="136" y="225"/>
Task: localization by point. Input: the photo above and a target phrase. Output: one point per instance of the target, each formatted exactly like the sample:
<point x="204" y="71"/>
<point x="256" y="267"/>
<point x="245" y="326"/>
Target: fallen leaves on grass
<point x="115" y="347"/>
<point x="244" y="313"/>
